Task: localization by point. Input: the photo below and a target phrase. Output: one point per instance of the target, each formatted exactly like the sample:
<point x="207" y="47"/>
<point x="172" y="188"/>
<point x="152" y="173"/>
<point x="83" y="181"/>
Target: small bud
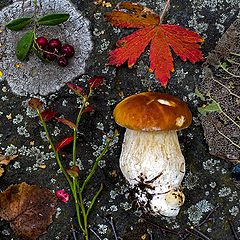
<point x="73" y="172"/>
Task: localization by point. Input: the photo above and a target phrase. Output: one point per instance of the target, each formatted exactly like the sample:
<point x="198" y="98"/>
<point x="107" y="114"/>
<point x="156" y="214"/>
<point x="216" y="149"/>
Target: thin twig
<point x="164" y="10"/>
<point x="200" y="234"/>
<point x="151" y="236"/>
<point x="207" y="218"/>
<point x="163" y="229"/>
<point x="73" y="231"/>
<point x="190" y="233"/>
<point x="111" y="222"/>
<point x="95" y="233"/>
<point x="233" y="230"/>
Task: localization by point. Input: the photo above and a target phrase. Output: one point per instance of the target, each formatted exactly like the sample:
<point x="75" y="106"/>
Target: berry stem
<point x="164" y="10"/>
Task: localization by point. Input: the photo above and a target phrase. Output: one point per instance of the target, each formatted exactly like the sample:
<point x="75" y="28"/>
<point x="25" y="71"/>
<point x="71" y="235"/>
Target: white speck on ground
<point x="102" y="229"/>
<point x="35" y="77"/>
<point x="234" y="211"/>
<point x="225" y="191"/>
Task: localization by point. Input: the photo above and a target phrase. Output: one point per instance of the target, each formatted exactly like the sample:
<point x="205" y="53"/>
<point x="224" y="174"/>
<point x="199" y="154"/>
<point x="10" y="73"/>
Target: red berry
<point x="42" y="42"/>
<point x="54" y="44"/>
<point x="49" y="56"/>
<point x="67" y="50"/>
<point x="62" y="61"/>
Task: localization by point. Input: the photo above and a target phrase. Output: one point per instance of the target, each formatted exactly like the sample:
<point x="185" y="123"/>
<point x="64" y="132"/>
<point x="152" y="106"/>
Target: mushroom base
<point x="153" y="164"/>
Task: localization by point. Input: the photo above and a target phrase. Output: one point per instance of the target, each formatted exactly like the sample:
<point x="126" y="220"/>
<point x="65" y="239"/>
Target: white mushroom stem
<point x="153" y="163"/>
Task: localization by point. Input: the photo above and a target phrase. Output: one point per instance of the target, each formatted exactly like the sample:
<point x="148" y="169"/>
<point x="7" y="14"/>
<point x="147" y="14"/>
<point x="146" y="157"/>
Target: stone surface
<point x="34" y="76"/>
<point x="208" y="183"/>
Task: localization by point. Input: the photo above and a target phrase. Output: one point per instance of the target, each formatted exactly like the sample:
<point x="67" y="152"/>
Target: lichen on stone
<point x="195" y="212"/>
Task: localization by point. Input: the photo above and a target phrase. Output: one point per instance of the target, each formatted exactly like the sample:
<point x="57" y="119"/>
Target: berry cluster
<point x="54" y="49"/>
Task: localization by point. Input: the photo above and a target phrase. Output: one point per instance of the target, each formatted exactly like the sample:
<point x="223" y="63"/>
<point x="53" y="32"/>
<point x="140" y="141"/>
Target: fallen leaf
<point x="199" y="94"/>
<point x="28" y="208"/>
<point x="9" y="116"/>
<point x="5" y="160"/>
<point x="210" y="107"/>
<point x="1" y="73"/>
<point x="42" y="166"/>
<point x="162" y="38"/>
<point x="64" y="143"/>
<point x="95" y="81"/>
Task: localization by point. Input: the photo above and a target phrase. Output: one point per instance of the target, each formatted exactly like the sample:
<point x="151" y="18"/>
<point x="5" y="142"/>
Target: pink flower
<point x="62" y="195"/>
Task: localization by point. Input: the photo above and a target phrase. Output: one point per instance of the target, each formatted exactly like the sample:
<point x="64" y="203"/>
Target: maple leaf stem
<point x="164" y="10"/>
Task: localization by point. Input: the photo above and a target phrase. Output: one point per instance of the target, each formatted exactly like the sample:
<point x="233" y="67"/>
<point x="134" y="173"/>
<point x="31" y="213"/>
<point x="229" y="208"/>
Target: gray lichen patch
<point x="34" y="76"/>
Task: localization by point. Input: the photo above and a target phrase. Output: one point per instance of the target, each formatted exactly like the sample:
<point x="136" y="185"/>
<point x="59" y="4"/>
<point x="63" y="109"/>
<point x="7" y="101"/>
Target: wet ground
<point x="208" y="185"/>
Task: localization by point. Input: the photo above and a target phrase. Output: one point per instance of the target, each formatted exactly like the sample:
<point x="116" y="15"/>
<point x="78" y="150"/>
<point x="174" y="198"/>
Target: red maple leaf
<point x="162" y="38"/>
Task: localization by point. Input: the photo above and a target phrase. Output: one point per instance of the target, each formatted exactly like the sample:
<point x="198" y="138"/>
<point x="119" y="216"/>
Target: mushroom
<point x="151" y="159"/>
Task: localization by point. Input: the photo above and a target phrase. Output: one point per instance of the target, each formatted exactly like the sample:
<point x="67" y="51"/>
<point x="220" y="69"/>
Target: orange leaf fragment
<point x="162" y="38"/>
<point x="28" y="208"/>
<point x="5" y="160"/>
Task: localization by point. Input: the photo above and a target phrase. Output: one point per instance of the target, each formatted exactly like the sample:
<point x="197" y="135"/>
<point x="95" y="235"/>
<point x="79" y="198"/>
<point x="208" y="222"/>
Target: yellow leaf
<point x="9" y="116"/>
<point x="1" y="73"/>
<point x="42" y="166"/>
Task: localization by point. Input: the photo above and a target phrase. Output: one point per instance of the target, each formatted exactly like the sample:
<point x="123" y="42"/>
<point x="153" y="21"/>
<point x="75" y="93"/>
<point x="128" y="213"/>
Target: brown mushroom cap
<point x="152" y="111"/>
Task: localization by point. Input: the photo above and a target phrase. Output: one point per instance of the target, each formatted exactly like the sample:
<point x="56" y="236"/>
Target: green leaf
<point x="211" y="107"/>
<point x="53" y="19"/>
<point x="19" y="23"/>
<point x="24" y="45"/>
<point x="199" y="94"/>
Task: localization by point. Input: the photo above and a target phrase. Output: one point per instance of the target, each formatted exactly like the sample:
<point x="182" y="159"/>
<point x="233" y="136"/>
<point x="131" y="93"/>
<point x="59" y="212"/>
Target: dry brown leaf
<point x="5" y="160"/>
<point x="28" y="208"/>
